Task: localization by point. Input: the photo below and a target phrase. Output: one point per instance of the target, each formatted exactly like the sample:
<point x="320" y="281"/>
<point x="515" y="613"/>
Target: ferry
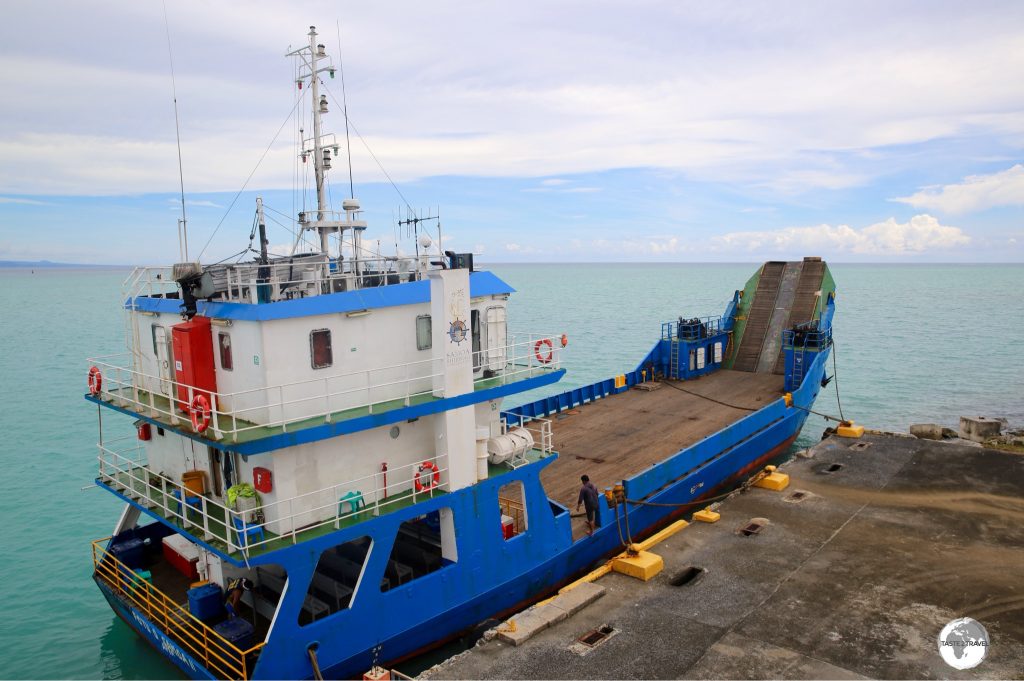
<point x="319" y="471"/>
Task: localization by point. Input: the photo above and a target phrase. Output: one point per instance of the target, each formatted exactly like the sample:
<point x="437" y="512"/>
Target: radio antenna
<point x="183" y="222"/>
<point x="344" y="107"/>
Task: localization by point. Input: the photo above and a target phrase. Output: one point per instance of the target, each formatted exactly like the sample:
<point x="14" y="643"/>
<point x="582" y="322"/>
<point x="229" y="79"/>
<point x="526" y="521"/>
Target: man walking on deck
<point x="588" y="497"/>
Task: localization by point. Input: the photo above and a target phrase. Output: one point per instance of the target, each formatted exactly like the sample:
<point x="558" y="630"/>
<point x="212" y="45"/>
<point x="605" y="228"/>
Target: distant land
<point x="44" y="264"/>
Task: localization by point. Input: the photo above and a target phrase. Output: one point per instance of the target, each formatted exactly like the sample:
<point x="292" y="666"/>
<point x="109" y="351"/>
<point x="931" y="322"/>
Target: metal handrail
<point x="125" y="386"/>
<point x="539" y="427"/>
<point x="219" y="655"/>
<point x="812" y="338"/>
<point x="242" y="281"/>
<point x="703" y="327"/>
<point x="118" y="469"/>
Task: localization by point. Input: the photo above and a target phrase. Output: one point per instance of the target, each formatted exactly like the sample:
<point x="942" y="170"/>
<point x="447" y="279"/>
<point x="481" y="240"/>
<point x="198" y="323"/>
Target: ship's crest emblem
<point x="457" y="331"/>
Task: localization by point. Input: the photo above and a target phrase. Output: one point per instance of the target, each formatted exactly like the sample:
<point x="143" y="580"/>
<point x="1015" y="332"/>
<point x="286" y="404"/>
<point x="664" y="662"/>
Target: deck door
<point x="496" y="337"/>
<point x="164" y="359"/>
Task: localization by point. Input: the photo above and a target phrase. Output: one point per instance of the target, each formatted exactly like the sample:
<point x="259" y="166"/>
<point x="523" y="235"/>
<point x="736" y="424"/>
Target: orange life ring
<point x="95" y="381"/>
<point x="565" y="340"/>
<point x="432" y="480"/>
<point x="200" y="412"/>
<point x="544" y="359"/>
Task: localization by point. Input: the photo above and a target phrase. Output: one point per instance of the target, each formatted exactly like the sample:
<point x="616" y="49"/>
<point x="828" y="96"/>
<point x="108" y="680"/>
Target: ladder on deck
<point x="798" y="366"/>
<point x="673" y="369"/>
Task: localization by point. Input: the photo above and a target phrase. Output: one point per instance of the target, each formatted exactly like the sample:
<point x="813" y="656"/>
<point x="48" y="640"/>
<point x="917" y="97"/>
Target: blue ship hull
<point x="492" y="577"/>
<point x="498" y="577"/>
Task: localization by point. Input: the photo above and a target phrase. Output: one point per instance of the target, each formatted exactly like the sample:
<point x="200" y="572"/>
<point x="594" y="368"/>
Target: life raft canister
<point x="199" y="411"/>
<point x="544" y="358"/>
<point x="432" y="480"/>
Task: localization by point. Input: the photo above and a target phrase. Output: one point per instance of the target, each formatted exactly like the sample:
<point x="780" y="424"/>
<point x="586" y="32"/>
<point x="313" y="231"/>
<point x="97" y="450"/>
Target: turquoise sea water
<point x="913" y="342"/>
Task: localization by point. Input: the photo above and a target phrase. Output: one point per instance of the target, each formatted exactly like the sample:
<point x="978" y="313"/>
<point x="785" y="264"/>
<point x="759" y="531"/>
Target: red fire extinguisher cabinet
<point x="262" y="480"/>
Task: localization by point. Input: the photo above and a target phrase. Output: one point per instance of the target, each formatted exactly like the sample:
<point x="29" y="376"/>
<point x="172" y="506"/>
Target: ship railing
<point x="151" y="282"/>
<point x="515" y="510"/>
<point x="246" y="413"/>
<point x="222" y="658"/>
<point x="306" y="275"/>
<point x="278" y="522"/>
<point x="807" y="337"/>
<point x="692" y="329"/>
<point x="538" y="427"/>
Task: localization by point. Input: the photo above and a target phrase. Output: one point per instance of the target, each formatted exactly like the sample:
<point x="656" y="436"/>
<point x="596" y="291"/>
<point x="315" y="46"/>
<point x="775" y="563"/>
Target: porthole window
<point x="320" y="348"/>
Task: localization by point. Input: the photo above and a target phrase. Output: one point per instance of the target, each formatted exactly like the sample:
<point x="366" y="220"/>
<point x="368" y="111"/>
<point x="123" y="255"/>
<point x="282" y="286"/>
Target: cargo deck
<point x="616" y="437"/>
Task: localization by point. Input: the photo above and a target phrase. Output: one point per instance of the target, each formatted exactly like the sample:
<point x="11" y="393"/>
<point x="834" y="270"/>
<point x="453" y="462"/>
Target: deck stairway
<point x="759" y="316"/>
<point x="805" y="301"/>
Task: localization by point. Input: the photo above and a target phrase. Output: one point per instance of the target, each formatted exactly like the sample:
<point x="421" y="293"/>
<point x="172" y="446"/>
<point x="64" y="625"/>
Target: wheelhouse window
<point x="424" y="339"/>
<point x="224" y="344"/>
<point x="320" y="348"/>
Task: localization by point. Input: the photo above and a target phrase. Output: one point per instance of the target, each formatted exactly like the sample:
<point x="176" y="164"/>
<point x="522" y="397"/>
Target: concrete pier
<point x="875" y="545"/>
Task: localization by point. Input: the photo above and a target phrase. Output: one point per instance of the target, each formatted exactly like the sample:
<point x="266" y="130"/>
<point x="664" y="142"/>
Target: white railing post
<point x="291" y="517"/>
<point x="327" y="400"/>
<point x="215" y="409"/>
<point x="229" y="529"/>
<point x="163" y="490"/>
<point x="206" y="517"/>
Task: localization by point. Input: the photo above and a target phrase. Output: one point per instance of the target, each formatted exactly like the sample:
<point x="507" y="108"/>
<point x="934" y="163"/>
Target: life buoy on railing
<point x="95" y="381"/>
<point x="432" y="480"/>
<point x="547" y="357"/>
<point x="200" y="412"/>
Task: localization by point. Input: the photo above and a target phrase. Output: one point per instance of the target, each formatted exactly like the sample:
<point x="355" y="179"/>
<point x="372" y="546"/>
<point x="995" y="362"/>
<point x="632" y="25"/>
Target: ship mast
<point x="315" y="52"/>
<point x="314" y="62"/>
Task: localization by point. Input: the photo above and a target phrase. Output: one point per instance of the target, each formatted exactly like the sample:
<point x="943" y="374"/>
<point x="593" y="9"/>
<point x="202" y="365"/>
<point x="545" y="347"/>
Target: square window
<point x="224" y="344"/>
<point x="320" y="348"/>
<point x="424" y="331"/>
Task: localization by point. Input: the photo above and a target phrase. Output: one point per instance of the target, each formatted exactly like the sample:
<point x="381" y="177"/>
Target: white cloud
<point x="976" y="192"/>
<point x="27" y="202"/>
<point x="742" y="94"/>
<point x="513" y="248"/>
<point x="921" y="234"/>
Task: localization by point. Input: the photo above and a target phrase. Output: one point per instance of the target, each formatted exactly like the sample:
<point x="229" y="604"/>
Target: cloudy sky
<point x="542" y="131"/>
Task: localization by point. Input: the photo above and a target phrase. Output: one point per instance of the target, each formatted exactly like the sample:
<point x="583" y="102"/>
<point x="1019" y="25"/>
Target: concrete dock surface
<point x="892" y="538"/>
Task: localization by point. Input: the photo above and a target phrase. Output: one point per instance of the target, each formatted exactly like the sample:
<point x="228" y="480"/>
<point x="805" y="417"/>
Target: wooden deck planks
<point x="621" y="435"/>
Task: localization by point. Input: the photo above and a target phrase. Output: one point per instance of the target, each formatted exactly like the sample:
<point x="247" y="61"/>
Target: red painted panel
<point x="193" y="359"/>
<point x="262" y="480"/>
